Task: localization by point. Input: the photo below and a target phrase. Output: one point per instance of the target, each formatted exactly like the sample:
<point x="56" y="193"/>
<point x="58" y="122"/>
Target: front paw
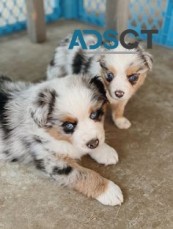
<point x="105" y="155"/>
<point x="122" y="123"/>
<point x="112" y="195"/>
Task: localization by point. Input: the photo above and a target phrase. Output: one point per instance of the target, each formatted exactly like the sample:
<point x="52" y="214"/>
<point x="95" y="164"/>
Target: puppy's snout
<point x="119" y="94"/>
<point x="93" y="143"/>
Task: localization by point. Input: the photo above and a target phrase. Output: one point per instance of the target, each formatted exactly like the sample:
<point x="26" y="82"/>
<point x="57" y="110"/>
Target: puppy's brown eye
<point x="133" y="78"/>
<point x="97" y="115"/>
<point x="109" y="76"/>
<point x="69" y="127"/>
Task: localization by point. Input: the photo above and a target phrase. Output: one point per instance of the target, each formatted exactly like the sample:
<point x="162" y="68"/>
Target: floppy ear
<point x="101" y="61"/>
<point x="146" y="57"/>
<point x="149" y="60"/>
<point x="99" y="86"/>
<point x="43" y="106"/>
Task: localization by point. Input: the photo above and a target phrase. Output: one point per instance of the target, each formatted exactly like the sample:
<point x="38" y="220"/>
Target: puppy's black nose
<point x="93" y="143"/>
<point x="119" y="94"/>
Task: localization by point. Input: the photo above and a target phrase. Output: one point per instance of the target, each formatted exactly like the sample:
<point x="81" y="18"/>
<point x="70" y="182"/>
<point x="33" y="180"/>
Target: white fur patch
<point x="112" y="196"/>
<point x="122" y="123"/>
<point x="105" y="155"/>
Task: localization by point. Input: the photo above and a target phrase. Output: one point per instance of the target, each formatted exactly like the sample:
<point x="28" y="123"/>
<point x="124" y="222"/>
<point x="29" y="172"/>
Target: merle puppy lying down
<point x="54" y="123"/>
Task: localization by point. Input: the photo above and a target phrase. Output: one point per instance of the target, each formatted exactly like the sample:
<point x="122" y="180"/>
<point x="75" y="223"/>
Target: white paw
<point x="112" y="196"/>
<point x="122" y="123"/>
<point x="105" y="155"/>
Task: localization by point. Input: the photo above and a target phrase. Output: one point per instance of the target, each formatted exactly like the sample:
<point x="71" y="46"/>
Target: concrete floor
<point x="28" y="200"/>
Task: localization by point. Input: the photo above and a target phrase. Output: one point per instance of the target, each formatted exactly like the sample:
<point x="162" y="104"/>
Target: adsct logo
<point x="111" y="37"/>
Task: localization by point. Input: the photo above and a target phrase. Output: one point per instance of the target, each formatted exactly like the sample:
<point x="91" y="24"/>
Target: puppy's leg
<point x="68" y="173"/>
<point x="105" y="155"/>
<point x="117" y="115"/>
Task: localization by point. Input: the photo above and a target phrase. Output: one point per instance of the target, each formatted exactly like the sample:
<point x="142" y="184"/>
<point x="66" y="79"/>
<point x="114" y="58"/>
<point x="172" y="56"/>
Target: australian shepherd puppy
<point x="54" y="123"/>
<point x="123" y="71"/>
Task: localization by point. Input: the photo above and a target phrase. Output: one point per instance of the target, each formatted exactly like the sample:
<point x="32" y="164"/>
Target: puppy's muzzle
<point x="93" y="143"/>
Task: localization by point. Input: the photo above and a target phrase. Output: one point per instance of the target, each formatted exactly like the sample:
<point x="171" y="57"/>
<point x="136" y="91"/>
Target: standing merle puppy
<point x="52" y="124"/>
<point x="123" y="71"/>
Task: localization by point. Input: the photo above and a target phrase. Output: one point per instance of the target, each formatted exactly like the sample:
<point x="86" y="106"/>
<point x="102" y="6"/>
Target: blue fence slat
<point x="70" y="9"/>
<point x="167" y="30"/>
<point x="8" y="29"/>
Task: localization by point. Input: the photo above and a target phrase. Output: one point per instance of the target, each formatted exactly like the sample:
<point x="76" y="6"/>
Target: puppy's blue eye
<point x="69" y="127"/>
<point x="133" y="78"/>
<point x="94" y="115"/>
<point x="109" y="76"/>
<point x="97" y="115"/>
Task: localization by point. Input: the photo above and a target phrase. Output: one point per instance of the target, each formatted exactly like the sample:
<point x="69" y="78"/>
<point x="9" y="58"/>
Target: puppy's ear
<point x="99" y="86"/>
<point x="146" y="58"/>
<point x="43" y="107"/>
<point x="149" y="60"/>
<point x="101" y="61"/>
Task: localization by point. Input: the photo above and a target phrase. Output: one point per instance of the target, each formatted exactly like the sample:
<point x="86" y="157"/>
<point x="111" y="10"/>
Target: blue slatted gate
<point x="143" y="14"/>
